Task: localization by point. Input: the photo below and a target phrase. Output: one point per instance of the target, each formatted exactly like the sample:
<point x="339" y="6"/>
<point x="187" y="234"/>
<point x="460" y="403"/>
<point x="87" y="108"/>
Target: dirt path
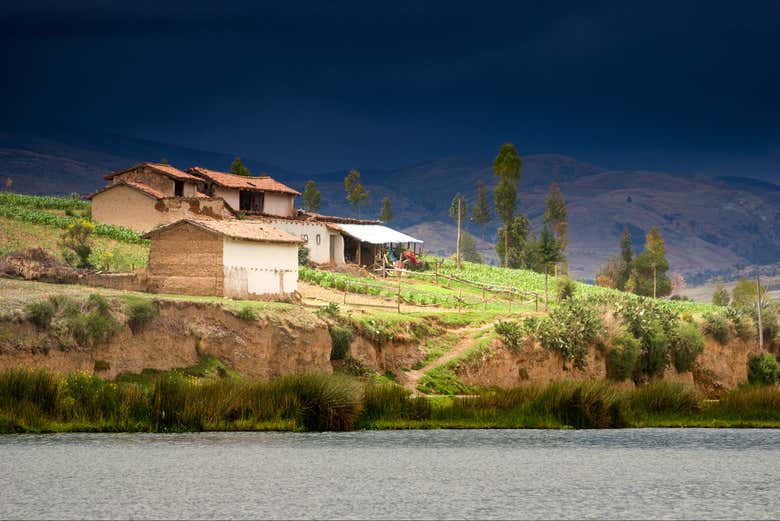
<point x="411" y="379"/>
<point x="314" y="295"/>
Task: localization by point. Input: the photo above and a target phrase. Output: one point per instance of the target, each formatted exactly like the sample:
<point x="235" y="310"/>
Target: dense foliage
<point x="763" y="369"/>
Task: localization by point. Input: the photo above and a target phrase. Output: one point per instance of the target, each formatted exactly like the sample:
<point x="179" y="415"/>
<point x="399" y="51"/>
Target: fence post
<point x="484" y="300"/>
<point x="345" y="295"/>
<point x="399" y="294"/>
<point x="537" y="301"/>
<point x="436" y="273"/>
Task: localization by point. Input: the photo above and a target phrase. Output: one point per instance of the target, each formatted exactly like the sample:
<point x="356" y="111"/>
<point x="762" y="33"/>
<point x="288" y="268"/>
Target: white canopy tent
<point x="375" y="235"/>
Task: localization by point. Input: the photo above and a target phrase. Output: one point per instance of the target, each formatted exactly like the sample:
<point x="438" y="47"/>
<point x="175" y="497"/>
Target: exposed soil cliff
<point x="176" y="337"/>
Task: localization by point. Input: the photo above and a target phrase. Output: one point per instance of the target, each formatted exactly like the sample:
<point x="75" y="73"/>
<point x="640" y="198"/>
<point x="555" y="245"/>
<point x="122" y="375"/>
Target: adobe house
<point x="230" y="258"/>
<point x="261" y="195"/>
<point x="150" y="194"/>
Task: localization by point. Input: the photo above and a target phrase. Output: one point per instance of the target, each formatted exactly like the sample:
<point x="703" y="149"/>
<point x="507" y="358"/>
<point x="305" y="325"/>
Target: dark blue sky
<point x="677" y="86"/>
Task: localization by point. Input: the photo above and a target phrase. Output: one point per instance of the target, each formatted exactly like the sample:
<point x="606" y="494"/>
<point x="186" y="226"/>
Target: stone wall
<point x="186" y="259"/>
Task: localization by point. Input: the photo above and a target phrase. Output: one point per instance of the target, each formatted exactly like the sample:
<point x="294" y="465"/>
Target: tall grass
<point x="37" y="401"/>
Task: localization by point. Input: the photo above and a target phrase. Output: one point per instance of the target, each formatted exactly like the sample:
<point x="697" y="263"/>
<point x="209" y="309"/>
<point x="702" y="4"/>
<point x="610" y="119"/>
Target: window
<point x="319" y="239"/>
<point x="305" y="237"/>
<point x="178" y="188"/>
<point x="251" y="201"/>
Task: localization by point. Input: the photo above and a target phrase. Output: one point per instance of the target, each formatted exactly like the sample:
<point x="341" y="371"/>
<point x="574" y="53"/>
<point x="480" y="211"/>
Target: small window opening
<point x="178" y="188"/>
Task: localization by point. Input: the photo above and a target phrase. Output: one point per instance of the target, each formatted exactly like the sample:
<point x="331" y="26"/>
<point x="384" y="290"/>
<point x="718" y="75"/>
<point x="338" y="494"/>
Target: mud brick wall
<point x="186" y="259"/>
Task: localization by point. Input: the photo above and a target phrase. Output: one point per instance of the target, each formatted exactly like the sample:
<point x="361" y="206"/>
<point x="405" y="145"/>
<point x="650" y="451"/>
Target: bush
<point x="654" y="355"/>
<point x="341" y="338"/>
<point x="77" y="242"/>
<point x="687" y="343"/>
<point x="744" y="327"/>
<point x="247" y="313"/>
<point x="331" y="309"/>
<point x="328" y="403"/>
<point x="41" y="313"/>
<point x="763" y="369"/>
<point x="303" y="255"/>
<point x="565" y="288"/>
<point x="716" y="326"/>
<point x="511" y="334"/>
<point x="622" y="358"/>
<point x="570" y="329"/>
<point x="139" y="314"/>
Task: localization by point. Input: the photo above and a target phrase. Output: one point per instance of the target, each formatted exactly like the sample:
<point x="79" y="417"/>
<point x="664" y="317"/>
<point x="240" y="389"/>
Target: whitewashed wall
<point x="278" y="204"/>
<point x="230" y="195"/>
<point x="259" y="268"/>
<point x="190" y="189"/>
<point x="319" y="251"/>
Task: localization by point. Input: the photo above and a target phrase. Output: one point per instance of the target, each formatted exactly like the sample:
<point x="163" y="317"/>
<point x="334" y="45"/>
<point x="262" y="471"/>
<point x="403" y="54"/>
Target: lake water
<point x="651" y="473"/>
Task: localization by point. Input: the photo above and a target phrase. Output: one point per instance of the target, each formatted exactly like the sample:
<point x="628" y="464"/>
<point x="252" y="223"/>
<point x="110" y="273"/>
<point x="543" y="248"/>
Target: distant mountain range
<point x="710" y="224"/>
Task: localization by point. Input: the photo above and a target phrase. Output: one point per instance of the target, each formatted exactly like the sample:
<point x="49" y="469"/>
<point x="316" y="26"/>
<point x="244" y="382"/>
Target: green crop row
<point x="42" y="202"/>
<point x="34" y="215"/>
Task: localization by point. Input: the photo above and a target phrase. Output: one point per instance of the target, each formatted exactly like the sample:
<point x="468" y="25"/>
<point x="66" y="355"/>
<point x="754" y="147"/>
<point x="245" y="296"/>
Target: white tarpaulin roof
<point x="376" y="234"/>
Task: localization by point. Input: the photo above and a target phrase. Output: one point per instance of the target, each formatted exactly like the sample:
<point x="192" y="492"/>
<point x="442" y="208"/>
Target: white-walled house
<point x="232" y="258"/>
<point x="261" y="195"/>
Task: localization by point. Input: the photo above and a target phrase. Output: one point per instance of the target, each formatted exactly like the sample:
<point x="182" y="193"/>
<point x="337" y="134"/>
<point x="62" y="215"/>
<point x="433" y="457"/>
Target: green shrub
<point x="327" y="402"/>
<point x="654" y="355"/>
<point x="686" y="343"/>
<point x="570" y="329"/>
<point x="565" y="288"/>
<point x="622" y="358"/>
<point x="331" y="309"/>
<point x="247" y="313"/>
<point x="665" y="397"/>
<point x="303" y="255"/>
<point x="511" y="334"/>
<point x="101" y="365"/>
<point x="744" y="327"/>
<point x="139" y="314"/>
<point x="763" y="369"/>
<point x="41" y="313"/>
<point x="341" y="338"/>
<point x="716" y="326"/>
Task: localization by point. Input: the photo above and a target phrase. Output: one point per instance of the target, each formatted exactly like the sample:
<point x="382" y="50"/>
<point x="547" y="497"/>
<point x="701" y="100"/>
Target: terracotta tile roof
<point x="166" y="170"/>
<point x="259" y="184"/>
<point x="311" y="216"/>
<point x="146" y="189"/>
<point x="237" y="229"/>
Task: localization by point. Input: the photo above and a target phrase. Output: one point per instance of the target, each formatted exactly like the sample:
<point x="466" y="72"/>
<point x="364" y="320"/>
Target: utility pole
<point x="457" y="246"/>
<point x="758" y="309"/>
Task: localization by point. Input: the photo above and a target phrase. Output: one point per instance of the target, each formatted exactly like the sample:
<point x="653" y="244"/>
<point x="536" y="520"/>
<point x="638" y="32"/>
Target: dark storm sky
<point x="678" y="86"/>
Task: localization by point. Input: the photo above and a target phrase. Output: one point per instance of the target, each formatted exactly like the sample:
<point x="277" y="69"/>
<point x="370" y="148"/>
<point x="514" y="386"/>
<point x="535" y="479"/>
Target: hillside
<point x="710" y="224"/>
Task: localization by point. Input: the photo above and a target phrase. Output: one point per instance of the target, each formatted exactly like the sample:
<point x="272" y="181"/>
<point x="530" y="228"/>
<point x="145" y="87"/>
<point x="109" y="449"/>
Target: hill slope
<point x="710" y="224"/>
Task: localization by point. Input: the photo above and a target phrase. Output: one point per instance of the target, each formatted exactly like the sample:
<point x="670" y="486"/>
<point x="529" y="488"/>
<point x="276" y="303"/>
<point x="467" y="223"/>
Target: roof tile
<point x="260" y="184"/>
<point x="236" y="229"/>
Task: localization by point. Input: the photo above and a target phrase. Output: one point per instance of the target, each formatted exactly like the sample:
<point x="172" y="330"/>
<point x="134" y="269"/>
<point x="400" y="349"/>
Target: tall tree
<point x="626" y="258"/>
<point x="506" y="167"/>
<point x="356" y="193"/>
<point x="744" y="294"/>
<point x="550" y="253"/>
<point x="521" y="252"/>
<point x="607" y="275"/>
<point x="386" y="214"/>
<point x="468" y="246"/>
<point x="238" y="168"/>
<point x="648" y="270"/>
<point x="721" y="295"/>
<point x="480" y="213"/>
<point x="556" y="215"/>
<point x="164" y="161"/>
<point x="458" y="208"/>
<point x="311" y="197"/>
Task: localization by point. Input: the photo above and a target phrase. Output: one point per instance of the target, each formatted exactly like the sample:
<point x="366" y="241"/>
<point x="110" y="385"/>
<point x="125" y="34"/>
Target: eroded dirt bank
<point x="179" y="334"/>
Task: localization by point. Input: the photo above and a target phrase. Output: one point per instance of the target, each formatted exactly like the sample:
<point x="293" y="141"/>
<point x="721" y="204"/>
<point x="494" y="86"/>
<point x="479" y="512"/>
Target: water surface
<point x="649" y="473"/>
